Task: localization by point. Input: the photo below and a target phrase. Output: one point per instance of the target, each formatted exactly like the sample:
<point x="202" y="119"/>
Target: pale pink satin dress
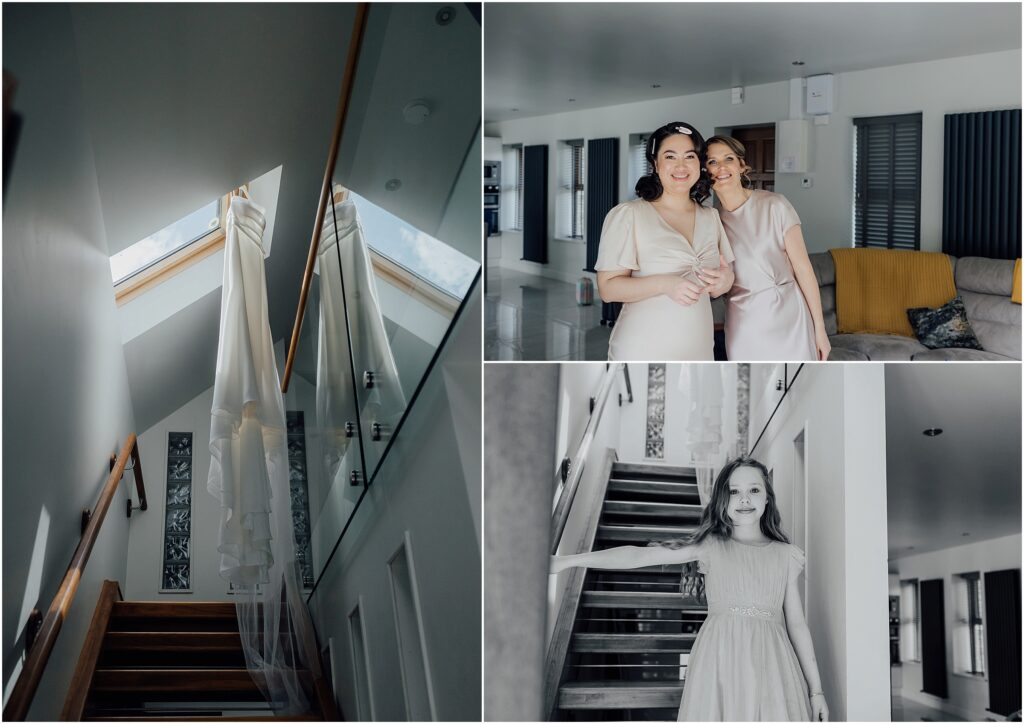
<point x="636" y="237"/>
<point x="743" y="666"/>
<point x="766" y="315"/>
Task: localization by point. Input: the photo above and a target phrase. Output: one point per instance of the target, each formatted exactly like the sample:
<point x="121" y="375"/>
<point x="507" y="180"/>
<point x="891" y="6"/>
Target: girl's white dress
<point x="743" y="666"/>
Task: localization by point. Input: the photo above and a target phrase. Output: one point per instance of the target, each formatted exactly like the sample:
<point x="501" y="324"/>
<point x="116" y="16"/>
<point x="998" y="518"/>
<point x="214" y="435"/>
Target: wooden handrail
<point x="39" y="653"/>
<point x="347" y="83"/>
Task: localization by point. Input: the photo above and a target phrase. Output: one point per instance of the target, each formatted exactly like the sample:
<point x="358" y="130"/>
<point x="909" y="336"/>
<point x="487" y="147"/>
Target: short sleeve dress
<point x="743" y="666"/>
<point x="636" y="237"/>
<point x="767" y="317"/>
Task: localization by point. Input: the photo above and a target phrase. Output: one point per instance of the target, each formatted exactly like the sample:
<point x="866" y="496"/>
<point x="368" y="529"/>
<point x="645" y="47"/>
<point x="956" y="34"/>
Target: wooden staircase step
<point x="620" y="695"/>
<point x="633" y="599"/>
<point x="653" y="487"/>
<point x="186" y="717"/>
<point x="641" y="533"/>
<point x="173" y="616"/>
<point x="687" y="511"/>
<point x="227" y="684"/>
<point x="171" y="649"/>
<point x="653" y="470"/>
<point x="635" y="643"/>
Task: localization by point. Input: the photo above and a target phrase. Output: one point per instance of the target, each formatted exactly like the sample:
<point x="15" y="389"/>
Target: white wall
<point x="973" y="83"/>
<point x="968" y="695"/>
<point x="423" y="491"/>
<point x="839" y="409"/>
<point x="66" y="405"/>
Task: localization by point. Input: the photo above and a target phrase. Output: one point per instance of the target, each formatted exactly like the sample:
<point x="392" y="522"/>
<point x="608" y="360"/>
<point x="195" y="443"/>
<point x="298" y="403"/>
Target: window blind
<point x="638" y="165"/>
<point x="887" y="183"/>
<point x="571" y="175"/>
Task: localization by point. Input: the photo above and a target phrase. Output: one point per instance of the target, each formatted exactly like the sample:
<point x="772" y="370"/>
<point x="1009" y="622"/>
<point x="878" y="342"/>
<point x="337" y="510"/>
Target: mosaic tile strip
<point x="176" y="574"/>
<point x="655" y="444"/>
<point x="298" y="487"/>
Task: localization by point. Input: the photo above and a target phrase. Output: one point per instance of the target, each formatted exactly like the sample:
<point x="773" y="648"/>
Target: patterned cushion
<point x="944" y="327"/>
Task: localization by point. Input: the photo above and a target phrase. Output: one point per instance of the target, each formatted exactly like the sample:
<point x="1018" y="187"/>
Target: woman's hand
<point x="819" y="709"/>
<point x="683" y="291"/>
<point x="822" y="343"/>
<point x="718" y="281"/>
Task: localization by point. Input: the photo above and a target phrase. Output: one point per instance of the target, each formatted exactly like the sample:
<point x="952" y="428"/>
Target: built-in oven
<point x="492" y="196"/>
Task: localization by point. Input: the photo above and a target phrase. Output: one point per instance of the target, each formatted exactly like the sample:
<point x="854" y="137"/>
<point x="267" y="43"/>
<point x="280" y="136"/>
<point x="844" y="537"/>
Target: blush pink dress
<point x="766" y="316"/>
<point x="636" y="237"/>
<point x="743" y="666"/>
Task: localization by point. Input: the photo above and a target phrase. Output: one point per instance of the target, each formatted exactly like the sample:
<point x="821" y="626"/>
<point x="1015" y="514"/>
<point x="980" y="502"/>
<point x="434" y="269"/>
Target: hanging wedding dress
<point x="249" y="470"/>
<point x="343" y="250"/>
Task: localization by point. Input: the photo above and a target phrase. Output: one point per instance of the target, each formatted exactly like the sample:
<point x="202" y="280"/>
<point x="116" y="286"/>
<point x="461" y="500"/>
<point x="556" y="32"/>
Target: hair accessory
<point x="684" y="129"/>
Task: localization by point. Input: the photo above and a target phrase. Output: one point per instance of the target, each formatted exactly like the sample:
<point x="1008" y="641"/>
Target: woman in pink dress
<point x="774" y="308"/>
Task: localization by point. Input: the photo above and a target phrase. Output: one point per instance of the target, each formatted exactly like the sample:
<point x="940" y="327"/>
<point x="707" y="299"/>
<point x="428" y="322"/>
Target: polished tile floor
<point x="907" y="710"/>
<point x="535" y="318"/>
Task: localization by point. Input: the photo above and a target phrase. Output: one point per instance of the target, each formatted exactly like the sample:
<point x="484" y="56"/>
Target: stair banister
<point x="567" y="491"/>
<point x="39" y="653"/>
<point x="326" y="193"/>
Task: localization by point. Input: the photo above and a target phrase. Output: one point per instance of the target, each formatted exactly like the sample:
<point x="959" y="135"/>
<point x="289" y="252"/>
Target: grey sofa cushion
<point x="881" y="347"/>
<point x="954" y="354"/>
<point x="842" y="354"/>
<point x="987" y="276"/>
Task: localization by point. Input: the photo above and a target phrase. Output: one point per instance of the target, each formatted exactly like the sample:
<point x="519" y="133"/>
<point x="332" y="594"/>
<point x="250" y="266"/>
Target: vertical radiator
<point x="981" y="191"/>
<point x="933" y="639"/>
<point x="1002" y="639"/>
<point x="535" y="204"/>
<point x="602" y="190"/>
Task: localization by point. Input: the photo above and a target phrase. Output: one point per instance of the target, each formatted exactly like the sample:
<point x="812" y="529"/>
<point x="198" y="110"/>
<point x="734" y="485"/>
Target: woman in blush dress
<point x="774" y="307"/>
<point x="664" y="255"/>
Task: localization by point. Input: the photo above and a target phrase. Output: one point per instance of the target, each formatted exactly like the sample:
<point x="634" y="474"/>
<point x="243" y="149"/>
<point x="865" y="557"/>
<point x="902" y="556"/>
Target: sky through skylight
<point x="165" y="242"/>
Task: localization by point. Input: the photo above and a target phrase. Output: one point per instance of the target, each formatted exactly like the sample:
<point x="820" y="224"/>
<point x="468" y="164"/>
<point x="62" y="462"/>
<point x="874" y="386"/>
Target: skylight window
<point x="155" y="248"/>
<point x="428" y="258"/>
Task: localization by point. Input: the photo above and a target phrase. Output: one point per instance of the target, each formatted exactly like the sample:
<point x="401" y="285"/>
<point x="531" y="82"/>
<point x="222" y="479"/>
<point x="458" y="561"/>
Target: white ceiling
<point x="539" y="55"/>
<point x="186" y="101"/>
<point x="966" y="480"/>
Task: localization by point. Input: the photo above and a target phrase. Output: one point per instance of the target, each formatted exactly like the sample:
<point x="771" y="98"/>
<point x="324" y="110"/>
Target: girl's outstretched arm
<point x="627" y="557"/>
<point x="800" y="635"/>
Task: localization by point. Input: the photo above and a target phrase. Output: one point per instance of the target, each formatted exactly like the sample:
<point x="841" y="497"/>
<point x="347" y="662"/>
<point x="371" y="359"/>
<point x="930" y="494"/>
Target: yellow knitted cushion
<point x="876" y="287"/>
<point x="1015" y="297"/>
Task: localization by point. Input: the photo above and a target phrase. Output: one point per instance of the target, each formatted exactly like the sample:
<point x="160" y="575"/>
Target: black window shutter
<point x="535" y="204"/>
<point x="981" y="185"/>
<point x="602" y="190"/>
<point x="887" y="184"/>
<point x="933" y="638"/>
<point x="1002" y="638"/>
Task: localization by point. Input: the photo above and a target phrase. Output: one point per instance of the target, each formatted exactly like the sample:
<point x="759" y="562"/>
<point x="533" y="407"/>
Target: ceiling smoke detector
<point x="416" y="112"/>
<point x="445" y="15"/>
<point x="393" y="184"/>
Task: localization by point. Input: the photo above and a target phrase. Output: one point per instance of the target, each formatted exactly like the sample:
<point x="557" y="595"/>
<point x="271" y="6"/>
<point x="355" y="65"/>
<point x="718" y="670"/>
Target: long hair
<point x="715" y="520"/>
<point x="649" y="187"/>
<point x="740" y="151"/>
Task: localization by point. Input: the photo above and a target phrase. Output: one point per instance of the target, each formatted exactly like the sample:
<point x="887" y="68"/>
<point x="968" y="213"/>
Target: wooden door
<point x="760" y="144"/>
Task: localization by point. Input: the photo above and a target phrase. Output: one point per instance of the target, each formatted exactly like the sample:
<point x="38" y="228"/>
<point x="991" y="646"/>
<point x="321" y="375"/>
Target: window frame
<point x="639" y="166"/>
<point x="572" y="190"/>
<point x="178" y="261"/>
<point x="974" y="622"/>
<point x="914" y="622"/>
<point x="863" y="192"/>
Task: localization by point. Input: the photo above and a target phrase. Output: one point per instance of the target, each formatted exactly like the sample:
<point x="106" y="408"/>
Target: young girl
<point x="753" y="659"/>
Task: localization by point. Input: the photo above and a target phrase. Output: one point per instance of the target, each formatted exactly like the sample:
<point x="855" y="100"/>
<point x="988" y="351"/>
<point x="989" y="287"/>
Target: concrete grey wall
<point x="66" y="405"/>
<point x="423" y="494"/>
<point x="956" y="85"/>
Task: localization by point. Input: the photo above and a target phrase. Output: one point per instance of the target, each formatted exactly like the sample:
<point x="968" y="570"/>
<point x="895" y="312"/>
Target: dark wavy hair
<point x="715" y="520"/>
<point x="740" y="151"/>
<point x="649" y="187"/>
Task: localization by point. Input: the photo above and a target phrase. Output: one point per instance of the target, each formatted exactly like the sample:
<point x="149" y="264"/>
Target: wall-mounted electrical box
<point x="820" y="94"/>
<point x="792" y="143"/>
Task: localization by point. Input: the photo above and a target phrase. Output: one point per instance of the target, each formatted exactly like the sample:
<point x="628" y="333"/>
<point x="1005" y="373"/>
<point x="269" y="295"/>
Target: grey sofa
<point x="985" y="286"/>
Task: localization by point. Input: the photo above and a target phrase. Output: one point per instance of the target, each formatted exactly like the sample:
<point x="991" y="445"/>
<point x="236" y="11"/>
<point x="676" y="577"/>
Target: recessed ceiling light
<point x="393" y="184"/>
<point x="572" y="100"/>
<point x="965" y="534"/>
<point x="798" y="62"/>
<point x="445" y="15"/>
<point x="655" y="85"/>
<point x="932" y="432"/>
<point x="910" y="548"/>
<point x="515" y="110"/>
